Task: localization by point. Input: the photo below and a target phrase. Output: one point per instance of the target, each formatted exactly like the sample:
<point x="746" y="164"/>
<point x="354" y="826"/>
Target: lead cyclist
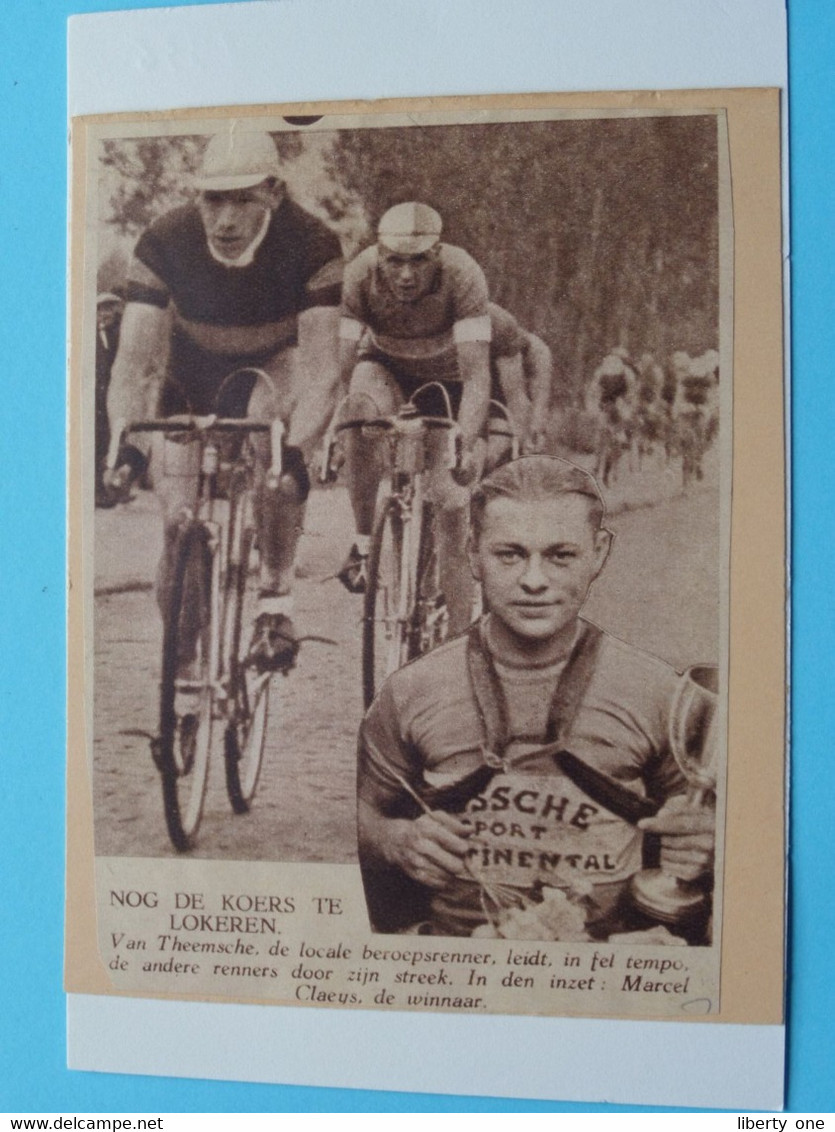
<point x="415" y="311"/>
<point x="245" y="280"/>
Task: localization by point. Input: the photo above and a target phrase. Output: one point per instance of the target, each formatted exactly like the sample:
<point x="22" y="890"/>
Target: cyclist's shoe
<point x="274" y="644"/>
<point x="354" y="572"/>
<point x="117" y="483"/>
<point x="186" y="739"/>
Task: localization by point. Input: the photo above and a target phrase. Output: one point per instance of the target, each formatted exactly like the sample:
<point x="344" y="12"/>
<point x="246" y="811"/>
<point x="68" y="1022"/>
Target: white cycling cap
<point x="409" y="228"/>
<point x="611" y="366"/>
<point x="237" y="160"/>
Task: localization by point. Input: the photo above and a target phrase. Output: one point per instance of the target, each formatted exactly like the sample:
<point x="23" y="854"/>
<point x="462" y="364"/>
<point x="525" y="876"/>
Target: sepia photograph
<point x="427" y="552"/>
<point x="407" y="498"/>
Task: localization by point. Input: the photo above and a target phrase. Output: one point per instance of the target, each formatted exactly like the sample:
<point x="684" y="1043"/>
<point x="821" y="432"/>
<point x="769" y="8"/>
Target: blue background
<point x="32" y="582"/>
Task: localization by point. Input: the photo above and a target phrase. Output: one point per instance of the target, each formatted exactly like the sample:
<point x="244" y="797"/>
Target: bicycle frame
<point x="213" y="536"/>
<point x="394" y="602"/>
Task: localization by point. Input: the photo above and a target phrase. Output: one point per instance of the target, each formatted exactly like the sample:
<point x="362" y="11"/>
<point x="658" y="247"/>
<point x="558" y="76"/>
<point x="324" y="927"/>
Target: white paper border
<point x="578" y="1059"/>
<point x="297" y="50"/>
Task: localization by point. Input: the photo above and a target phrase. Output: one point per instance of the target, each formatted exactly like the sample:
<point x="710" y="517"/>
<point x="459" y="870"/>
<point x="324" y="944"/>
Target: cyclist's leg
<point x="510" y="390"/>
<point x="279" y="516"/>
<point x="373" y="392"/>
<point x="279" y="510"/>
<point x="176" y="468"/>
<point x="452" y="516"/>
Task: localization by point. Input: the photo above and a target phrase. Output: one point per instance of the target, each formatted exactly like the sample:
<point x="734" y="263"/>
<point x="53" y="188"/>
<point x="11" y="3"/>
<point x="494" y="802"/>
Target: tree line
<point x="595" y="233"/>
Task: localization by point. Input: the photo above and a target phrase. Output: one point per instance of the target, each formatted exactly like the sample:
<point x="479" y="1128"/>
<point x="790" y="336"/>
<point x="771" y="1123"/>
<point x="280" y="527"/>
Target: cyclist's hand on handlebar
<point x="117" y="482"/>
<point x="467" y="468"/>
<point x="330" y="459"/>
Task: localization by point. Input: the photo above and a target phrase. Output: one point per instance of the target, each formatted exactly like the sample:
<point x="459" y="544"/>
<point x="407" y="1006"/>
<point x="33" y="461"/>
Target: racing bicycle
<point x="404" y="611"/>
<point x="206" y="680"/>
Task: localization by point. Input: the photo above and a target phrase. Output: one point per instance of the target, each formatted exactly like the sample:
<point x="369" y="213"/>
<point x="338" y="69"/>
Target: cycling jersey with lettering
<point x="416" y="340"/>
<point x="530" y="823"/>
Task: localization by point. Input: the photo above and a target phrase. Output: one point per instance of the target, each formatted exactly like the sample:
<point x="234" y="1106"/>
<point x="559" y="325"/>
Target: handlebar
<point x="400" y="422"/>
<point x="388" y="423"/>
<point x="203" y="425"/>
<point x="402" y="425"/>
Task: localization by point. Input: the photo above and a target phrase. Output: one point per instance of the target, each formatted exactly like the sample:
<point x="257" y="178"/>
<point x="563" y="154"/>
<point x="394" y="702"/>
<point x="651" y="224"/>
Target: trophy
<point x="694" y="742"/>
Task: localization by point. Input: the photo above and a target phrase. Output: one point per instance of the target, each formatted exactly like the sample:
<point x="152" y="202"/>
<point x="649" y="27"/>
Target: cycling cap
<point x="237" y="160"/>
<point x="611" y="366"/>
<point x="410" y="228"/>
<point x="681" y="360"/>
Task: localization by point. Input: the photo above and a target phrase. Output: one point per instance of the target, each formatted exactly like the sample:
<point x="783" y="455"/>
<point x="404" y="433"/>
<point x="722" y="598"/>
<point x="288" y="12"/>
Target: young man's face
<point x="233" y="219"/>
<point x="536" y="560"/>
<point x="408" y="277"/>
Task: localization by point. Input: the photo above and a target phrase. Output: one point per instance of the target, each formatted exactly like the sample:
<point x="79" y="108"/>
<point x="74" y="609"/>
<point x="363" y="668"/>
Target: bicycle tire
<point x="249" y="690"/>
<point x="389" y="594"/>
<point x="186" y="737"/>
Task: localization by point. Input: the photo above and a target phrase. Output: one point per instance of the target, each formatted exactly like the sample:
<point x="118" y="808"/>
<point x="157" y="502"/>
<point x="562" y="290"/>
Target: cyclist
<point x="695" y="410"/>
<point x="414" y="310"/>
<point x="521" y="372"/>
<point x="242" y="278"/>
<point x="612" y="400"/>
<point x="652" y="411"/>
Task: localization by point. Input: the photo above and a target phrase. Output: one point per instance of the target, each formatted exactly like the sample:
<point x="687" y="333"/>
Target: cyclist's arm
<point x="319" y="361"/>
<point x="140" y="364"/>
<point x="350" y="333"/>
<point x="353" y="312"/>
<point x="512" y="381"/>
<point x="474" y="370"/>
<point x="537" y="363"/>
<point x="474" y="367"/>
<point x="471" y="333"/>
<point x="431" y="847"/>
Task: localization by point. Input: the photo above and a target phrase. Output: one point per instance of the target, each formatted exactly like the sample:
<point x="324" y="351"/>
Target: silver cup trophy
<point x="694" y="742"/>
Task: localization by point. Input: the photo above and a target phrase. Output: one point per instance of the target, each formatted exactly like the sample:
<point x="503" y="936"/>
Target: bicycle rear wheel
<point x="187" y="687"/>
<point x="249" y="689"/>
<point x="390" y="592"/>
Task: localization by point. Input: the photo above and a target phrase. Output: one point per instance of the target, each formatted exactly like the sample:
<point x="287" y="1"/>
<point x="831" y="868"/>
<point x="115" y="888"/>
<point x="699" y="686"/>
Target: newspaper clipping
<point x="405" y="538"/>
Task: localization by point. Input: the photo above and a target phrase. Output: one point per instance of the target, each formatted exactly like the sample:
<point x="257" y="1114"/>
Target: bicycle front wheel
<point x="389" y="595"/>
<point x="187" y="686"/>
<point x="249" y="689"/>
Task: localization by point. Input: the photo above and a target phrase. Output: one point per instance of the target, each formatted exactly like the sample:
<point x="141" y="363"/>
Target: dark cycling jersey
<point x="225" y="317"/>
